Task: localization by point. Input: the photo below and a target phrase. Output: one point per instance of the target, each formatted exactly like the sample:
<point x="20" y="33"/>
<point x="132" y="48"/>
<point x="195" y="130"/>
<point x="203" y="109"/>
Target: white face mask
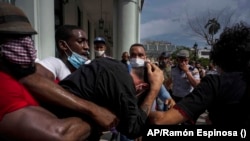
<point x="99" y="53"/>
<point x="137" y="62"/>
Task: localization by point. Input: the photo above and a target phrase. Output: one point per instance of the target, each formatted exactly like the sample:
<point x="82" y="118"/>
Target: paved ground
<point x="107" y="136"/>
<point x="202" y="120"/>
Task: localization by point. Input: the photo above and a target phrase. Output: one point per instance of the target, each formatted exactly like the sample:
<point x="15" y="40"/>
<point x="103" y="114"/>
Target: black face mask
<point x="18" y="72"/>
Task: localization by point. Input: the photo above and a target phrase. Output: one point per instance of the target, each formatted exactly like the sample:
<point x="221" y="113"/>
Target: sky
<point x="167" y="20"/>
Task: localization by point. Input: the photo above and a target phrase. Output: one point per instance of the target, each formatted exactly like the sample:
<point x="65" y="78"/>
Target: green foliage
<point x="204" y="61"/>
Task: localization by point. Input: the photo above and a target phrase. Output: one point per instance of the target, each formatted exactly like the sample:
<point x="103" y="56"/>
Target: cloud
<point x="170" y="17"/>
<point x="159" y="27"/>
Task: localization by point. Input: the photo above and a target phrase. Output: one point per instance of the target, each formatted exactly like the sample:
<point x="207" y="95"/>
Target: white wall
<point x="126" y="25"/>
<point x="41" y="16"/>
<point x="70" y="13"/>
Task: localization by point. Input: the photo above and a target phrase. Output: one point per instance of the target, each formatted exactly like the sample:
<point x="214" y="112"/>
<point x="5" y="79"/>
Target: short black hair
<point x="136" y="44"/>
<point x="231" y="52"/>
<point x="64" y="32"/>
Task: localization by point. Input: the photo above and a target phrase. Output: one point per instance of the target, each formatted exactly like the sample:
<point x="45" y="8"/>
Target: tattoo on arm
<point x="146" y="108"/>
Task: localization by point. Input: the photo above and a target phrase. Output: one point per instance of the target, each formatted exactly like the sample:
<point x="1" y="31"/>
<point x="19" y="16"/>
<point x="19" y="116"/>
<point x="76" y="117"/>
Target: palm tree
<point x="213" y="27"/>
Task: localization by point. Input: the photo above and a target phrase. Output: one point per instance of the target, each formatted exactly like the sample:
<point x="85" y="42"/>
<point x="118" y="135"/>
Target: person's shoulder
<point x="106" y="56"/>
<point x="7" y="81"/>
<point x="109" y="64"/>
<point x="193" y="69"/>
<point x="106" y="60"/>
<point x="4" y="75"/>
<point x="50" y="59"/>
<point x="53" y="64"/>
<point x="212" y="78"/>
<point x="231" y="75"/>
<point x="226" y="76"/>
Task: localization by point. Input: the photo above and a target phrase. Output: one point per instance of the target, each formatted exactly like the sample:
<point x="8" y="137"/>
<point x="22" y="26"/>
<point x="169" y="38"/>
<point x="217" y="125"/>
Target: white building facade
<point x="203" y="53"/>
<point x="121" y="22"/>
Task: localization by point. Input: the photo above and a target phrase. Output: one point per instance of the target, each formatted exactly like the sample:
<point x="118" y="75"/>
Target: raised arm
<point x="155" y="78"/>
<point x="193" y="79"/>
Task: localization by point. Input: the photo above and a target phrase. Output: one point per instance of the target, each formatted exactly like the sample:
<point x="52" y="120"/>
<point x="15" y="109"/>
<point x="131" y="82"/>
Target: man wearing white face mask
<point x="100" y="47"/>
<point x="137" y="60"/>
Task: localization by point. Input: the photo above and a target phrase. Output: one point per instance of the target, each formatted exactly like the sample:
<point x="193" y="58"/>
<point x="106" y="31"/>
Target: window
<point x="205" y="53"/>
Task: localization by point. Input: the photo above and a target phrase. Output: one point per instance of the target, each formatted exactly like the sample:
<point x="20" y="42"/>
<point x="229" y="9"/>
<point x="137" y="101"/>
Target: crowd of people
<point x="73" y="98"/>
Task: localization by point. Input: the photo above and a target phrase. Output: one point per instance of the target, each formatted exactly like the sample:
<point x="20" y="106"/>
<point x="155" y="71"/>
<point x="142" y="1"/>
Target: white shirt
<point x="181" y="84"/>
<point x="56" y="66"/>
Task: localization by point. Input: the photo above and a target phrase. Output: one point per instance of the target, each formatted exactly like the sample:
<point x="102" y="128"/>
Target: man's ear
<point x="62" y="45"/>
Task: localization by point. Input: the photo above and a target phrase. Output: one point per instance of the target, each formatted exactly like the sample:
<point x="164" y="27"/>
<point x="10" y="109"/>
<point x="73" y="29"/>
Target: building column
<point x="47" y="28"/>
<point x="41" y="16"/>
<point x="115" y="27"/>
<point x="91" y="41"/>
<point x="127" y="30"/>
<point x="70" y="13"/>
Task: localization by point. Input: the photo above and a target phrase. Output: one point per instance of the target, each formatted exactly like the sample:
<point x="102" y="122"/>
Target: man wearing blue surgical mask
<point x="73" y="51"/>
<point x="72" y="47"/>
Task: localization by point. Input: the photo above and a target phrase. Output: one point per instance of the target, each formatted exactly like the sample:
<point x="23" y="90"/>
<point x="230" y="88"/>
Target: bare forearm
<point x="170" y="117"/>
<point x="74" y="129"/>
<point x="34" y="123"/>
<point x="148" y="101"/>
<point x="155" y="78"/>
<point x="46" y="90"/>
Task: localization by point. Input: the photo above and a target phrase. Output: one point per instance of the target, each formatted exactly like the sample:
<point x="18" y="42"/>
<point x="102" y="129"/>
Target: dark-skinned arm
<point x="34" y="123"/>
<point x="46" y="90"/>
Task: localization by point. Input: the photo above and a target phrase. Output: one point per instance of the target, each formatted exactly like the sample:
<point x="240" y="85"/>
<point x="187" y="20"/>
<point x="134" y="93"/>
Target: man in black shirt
<point x="106" y="81"/>
<point x="226" y="96"/>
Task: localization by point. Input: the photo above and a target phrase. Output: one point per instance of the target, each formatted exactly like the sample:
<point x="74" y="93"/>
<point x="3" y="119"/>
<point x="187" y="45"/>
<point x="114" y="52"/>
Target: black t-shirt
<point x="106" y="82"/>
<point x="224" y="96"/>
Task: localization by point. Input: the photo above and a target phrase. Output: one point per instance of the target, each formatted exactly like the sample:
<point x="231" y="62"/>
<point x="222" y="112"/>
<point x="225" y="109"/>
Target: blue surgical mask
<point x="76" y="59"/>
<point x="137" y="62"/>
